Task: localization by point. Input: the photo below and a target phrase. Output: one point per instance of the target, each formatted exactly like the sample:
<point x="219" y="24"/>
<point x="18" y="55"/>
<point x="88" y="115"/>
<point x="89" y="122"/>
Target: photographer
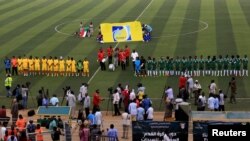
<point x="232" y="85"/>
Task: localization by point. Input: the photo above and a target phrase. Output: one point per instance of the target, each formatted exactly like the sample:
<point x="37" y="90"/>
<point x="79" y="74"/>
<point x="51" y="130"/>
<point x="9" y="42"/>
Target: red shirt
<point x="127" y="52"/>
<point x="2" y="113"/>
<point x="14" y="62"/>
<point x="125" y="94"/>
<point x="96" y="99"/>
<point x="109" y="51"/>
<point x="100" y="56"/>
<point x="182" y="82"/>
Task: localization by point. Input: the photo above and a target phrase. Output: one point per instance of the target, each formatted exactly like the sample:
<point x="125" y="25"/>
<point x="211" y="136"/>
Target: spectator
<point x="216" y="103"/>
<point x="146" y="102"/>
<point x="116" y="99"/>
<point x="7" y="64"/>
<point x="190" y="86"/>
<point x="112" y="133"/>
<point x="83" y="90"/>
<point x="54" y="101"/>
<point x="182" y="82"/>
<point x="39" y="135"/>
<point x="71" y="102"/>
<point x="221" y="101"/>
<point x="119" y="90"/>
<point x="132" y="95"/>
<point x="169" y="93"/>
<point x="84" y="133"/>
<point x="86" y="104"/>
<point x="125" y="124"/>
<point x="12" y="137"/>
<point x="125" y="95"/>
<point x="196" y="91"/>
<point x="31" y="129"/>
<point x="14" y="111"/>
<point x="212" y="87"/>
<point x="95" y="133"/>
<point x="204" y="101"/>
<point x="91" y="118"/>
<point x="199" y="103"/>
<point x="21" y="123"/>
<point x="150" y="113"/>
<point x="3" y="116"/>
<point x="8" y="84"/>
<point x="132" y="108"/>
<point x="96" y="100"/>
<point x="98" y="118"/>
<point x="140" y="113"/>
<point x="168" y="108"/>
<point x="3" y="131"/>
<point x="56" y="134"/>
<point x="45" y="101"/>
<point x="24" y="96"/>
<point x="210" y="102"/>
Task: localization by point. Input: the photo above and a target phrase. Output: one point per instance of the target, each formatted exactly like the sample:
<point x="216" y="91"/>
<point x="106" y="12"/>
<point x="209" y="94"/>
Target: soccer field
<point x="180" y="28"/>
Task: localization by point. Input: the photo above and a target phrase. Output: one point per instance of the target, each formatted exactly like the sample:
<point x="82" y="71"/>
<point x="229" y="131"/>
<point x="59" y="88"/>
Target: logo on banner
<point x="121" y="33"/>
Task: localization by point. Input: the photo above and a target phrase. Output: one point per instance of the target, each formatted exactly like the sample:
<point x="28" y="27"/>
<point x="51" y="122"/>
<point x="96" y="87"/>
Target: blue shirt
<point x="140" y="113"/>
<point x="7" y="63"/>
<point x="148" y="28"/>
<point x="112" y="133"/>
<point x="216" y="103"/>
<point x="137" y="64"/>
<point x="91" y="117"/>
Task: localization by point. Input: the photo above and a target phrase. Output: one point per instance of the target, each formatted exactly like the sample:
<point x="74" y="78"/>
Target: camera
<point x="110" y="89"/>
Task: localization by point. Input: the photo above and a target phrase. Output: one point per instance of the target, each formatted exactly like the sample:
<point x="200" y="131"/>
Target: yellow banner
<point x="122" y="32"/>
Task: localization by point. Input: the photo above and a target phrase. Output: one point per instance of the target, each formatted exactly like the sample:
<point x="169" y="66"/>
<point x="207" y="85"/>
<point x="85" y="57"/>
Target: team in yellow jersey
<point x="52" y="66"/>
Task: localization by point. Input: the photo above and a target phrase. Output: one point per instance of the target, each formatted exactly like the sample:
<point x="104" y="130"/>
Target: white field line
<point x="143" y="11"/>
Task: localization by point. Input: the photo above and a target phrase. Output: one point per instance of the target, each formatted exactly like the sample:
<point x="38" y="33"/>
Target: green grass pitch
<point x="180" y="27"/>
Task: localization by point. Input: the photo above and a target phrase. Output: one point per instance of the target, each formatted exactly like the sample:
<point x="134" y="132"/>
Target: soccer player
<point x="50" y="66"/>
<point x="14" y="65"/>
<point x="68" y="66"/>
<point x="73" y="66"/>
<point x="167" y="66"/>
<point x="201" y="66"/>
<point x="161" y="64"/>
<point x="149" y="66"/>
<point x="213" y="66"/>
<point x="177" y="63"/>
<point x="7" y="63"/>
<point x="20" y="65"/>
<point x="183" y="65"/>
<point x="232" y="65"/>
<point x="79" y="67"/>
<point x="226" y="65"/>
<point x="44" y="65"/>
<point x="37" y="65"/>
<point x="237" y="66"/>
<point x="245" y="66"/>
<point x="61" y="66"/>
<point x="189" y="66"/>
<point x="219" y="63"/>
<point x="171" y="66"/>
<point x="195" y="66"/>
<point x="31" y="66"/>
<point x="154" y="67"/>
<point x="86" y="67"/>
<point x="207" y="65"/>
<point x="25" y="64"/>
<point x="56" y="66"/>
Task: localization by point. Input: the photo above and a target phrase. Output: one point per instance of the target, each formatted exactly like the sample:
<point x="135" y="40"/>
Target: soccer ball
<point x="111" y="67"/>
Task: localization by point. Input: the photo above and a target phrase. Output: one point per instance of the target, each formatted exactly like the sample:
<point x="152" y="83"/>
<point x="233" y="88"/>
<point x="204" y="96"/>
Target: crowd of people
<point x="50" y="66"/>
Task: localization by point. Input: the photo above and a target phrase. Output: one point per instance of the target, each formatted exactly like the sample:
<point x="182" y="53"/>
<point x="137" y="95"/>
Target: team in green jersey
<point x="198" y="66"/>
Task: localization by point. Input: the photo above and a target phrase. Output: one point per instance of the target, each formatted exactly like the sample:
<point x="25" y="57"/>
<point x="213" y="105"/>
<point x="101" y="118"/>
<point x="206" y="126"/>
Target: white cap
<point x="196" y="80"/>
<point x="200" y="97"/>
<point x="61" y="57"/>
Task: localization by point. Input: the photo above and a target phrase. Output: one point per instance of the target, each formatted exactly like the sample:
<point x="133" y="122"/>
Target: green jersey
<point x="201" y="64"/>
<point x="207" y="64"/>
<point x="177" y="64"/>
<point x="219" y="63"/>
<point x="183" y="64"/>
<point x="161" y="63"/>
<point x="213" y="64"/>
<point x="226" y="63"/>
<point x="154" y="65"/>
<point x="237" y="63"/>
<point x="195" y="64"/>
<point x="232" y="64"/>
<point x="149" y="64"/>
<point x="79" y="65"/>
<point x="171" y="65"/>
<point x="245" y="63"/>
<point x="167" y="64"/>
<point x="189" y="64"/>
